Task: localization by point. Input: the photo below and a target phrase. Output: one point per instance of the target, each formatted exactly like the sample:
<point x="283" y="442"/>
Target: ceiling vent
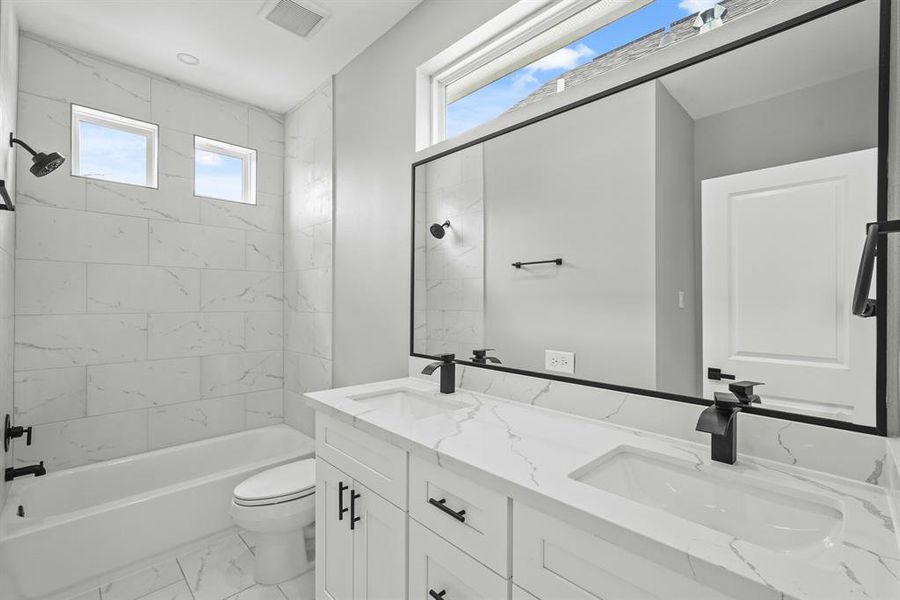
<point x="300" y="17"/>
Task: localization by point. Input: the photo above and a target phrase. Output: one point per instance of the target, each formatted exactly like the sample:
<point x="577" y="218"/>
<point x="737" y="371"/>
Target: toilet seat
<point x="278" y="485"/>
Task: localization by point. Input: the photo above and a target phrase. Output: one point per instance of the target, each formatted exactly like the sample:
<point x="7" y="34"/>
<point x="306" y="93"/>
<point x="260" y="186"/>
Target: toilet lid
<point x="296" y="479"/>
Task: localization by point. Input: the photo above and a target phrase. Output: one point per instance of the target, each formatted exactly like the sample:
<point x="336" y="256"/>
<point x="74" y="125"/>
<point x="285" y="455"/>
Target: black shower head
<point x="438" y="229"/>
<point x="41" y="164"/>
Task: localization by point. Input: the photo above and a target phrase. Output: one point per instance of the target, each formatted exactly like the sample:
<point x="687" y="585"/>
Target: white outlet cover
<point x="559" y="361"/>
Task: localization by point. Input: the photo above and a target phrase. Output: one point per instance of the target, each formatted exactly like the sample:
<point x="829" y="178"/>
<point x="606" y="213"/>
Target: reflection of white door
<point x="780" y="252"/>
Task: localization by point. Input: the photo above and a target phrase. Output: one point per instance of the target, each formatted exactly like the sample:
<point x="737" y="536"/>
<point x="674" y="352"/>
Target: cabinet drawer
<point x="377" y="465"/>
<point x="436" y="566"/>
<point x="482" y="530"/>
<point x="552" y="559"/>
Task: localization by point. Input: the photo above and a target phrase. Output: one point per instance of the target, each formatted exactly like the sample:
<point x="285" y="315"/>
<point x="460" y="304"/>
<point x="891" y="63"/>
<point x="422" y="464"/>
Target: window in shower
<point x="111" y="147"/>
<point x="224" y="171"/>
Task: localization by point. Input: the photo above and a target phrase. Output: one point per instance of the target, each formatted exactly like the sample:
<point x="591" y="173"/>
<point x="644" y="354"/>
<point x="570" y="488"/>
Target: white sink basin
<point x="780" y="519"/>
<point x="408" y="404"/>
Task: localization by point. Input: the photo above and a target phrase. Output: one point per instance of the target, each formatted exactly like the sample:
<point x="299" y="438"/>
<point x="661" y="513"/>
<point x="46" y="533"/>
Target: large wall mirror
<point x="702" y="225"/>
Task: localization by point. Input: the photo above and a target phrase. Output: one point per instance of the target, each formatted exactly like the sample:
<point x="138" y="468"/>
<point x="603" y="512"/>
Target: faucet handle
<point x="744" y="390"/>
<point x="447" y="358"/>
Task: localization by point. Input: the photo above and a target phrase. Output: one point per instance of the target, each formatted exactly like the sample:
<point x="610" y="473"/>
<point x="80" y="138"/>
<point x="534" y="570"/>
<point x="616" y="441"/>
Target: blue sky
<point x="218" y="176"/>
<point x="494" y="99"/>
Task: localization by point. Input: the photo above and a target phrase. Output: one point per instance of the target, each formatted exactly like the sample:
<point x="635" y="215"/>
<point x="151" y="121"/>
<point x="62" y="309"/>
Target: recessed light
<point x="188" y="59"/>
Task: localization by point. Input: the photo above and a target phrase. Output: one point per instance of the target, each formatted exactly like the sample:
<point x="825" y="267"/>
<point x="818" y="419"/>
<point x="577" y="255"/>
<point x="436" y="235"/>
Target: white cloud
<point x="209" y="158"/>
<point x="695" y="6"/>
<point x="564" y="58"/>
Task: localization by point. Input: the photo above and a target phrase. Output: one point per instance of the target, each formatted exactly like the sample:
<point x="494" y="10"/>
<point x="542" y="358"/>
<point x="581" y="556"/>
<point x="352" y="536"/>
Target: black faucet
<point x="481" y="357"/>
<point x="720" y="419"/>
<point x="448" y="372"/>
<point x="36" y="470"/>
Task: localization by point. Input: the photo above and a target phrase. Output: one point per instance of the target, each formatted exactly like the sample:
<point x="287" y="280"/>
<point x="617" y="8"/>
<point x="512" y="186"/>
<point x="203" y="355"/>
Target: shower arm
<point x="15" y="140"/>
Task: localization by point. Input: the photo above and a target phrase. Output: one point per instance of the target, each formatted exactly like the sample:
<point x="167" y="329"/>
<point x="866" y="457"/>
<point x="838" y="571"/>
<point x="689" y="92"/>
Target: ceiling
<point x="241" y="55"/>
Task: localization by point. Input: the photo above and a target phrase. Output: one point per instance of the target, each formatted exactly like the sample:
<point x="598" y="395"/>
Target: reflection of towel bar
<point x="519" y="265"/>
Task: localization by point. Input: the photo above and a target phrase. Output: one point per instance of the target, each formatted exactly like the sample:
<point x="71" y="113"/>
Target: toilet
<point x="277" y="505"/>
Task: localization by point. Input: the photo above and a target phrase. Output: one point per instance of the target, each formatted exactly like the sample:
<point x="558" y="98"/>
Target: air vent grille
<point x="301" y="19"/>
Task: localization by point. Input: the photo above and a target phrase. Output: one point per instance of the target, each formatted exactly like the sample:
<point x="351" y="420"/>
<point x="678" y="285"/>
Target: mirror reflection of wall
<point x="710" y="218"/>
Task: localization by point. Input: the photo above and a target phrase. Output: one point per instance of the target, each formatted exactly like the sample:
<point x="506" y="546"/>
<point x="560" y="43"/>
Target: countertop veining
<point x="528" y="453"/>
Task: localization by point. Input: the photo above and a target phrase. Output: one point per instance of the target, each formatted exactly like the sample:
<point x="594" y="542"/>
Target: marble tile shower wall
<point x="452" y="189"/>
<point x="308" y="254"/>
<point x="144" y="317"/>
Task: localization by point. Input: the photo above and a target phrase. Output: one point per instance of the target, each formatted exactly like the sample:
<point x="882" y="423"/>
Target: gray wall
<point x="375" y="107"/>
<point x="9" y="86"/>
<point x="578" y="186"/>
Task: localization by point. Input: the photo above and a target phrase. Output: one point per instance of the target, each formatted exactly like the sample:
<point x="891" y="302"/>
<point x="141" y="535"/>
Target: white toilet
<point x="276" y="505"/>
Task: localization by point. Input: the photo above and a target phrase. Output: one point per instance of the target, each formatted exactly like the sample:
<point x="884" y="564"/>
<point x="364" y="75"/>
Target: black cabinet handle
<point x="353" y="517"/>
<point x="442" y="504"/>
<point x="341" y="509"/>
<point x="437" y="595"/>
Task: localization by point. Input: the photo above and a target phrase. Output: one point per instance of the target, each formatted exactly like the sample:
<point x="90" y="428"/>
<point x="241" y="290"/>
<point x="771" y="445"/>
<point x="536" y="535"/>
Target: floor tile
<point x="300" y="588"/>
<point x="143" y="582"/>
<point x="220" y="570"/>
<point x="260" y="592"/>
<point x="91" y="595"/>
<point x="176" y="591"/>
<point x="250" y="538"/>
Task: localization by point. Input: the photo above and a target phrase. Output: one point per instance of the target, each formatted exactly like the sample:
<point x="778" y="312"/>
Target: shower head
<point x="41" y="164"/>
<point x="439" y="229"/>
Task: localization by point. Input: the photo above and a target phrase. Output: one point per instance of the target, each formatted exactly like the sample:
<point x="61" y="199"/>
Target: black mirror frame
<point x="884" y="52"/>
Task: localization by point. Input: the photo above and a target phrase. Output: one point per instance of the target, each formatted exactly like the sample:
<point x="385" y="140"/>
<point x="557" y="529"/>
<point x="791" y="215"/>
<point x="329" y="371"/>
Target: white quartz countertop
<point x="528" y="454"/>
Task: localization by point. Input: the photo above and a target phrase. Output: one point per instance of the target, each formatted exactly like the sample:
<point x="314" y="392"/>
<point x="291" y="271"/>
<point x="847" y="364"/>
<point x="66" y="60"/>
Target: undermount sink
<point x="407" y="403"/>
<point x="782" y="520"/>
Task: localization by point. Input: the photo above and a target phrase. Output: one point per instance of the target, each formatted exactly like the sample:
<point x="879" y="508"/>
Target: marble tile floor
<point x="221" y="569"/>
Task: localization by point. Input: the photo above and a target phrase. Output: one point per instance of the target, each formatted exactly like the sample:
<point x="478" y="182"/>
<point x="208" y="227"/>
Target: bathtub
<point x="84" y="522"/>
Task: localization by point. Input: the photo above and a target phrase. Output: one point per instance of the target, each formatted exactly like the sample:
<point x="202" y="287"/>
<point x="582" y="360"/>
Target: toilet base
<point x="280" y="556"/>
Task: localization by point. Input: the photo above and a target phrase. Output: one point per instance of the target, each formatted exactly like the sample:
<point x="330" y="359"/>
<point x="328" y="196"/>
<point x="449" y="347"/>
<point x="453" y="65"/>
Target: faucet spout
<point x="720" y="419"/>
<point x="37" y="470"/>
<point x="447" y="365"/>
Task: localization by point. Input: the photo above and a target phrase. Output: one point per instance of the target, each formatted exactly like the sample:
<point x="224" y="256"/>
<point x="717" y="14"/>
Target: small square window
<point x="224" y="171"/>
<point x="113" y="148"/>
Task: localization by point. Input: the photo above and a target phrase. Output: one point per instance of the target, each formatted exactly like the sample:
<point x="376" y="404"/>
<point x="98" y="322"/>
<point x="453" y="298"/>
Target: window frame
<point x="85" y="114"/>
<point x="248" y="158"/>
<point x="541" y="20"/>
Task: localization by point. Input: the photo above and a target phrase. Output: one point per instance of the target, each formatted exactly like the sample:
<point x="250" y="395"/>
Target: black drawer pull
<point x="437" y="595"/>
<point x="442" y="504"/>
<point x="353" y="517"/>
<point x="341" y="509"/>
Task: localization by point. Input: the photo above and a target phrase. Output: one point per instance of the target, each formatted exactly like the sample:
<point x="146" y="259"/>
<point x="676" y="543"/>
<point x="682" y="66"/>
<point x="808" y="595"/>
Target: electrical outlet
<point x="561" y="362"/>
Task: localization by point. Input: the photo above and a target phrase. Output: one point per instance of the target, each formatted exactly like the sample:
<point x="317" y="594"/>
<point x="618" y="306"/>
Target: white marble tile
<point x="176" y="154"/>
<point x="88" y="595"/>
<point x="81" y="441"/>
<point x="118" y="288"/>
<point x="300" y="588"/>
<point x="297" y="414"/>
<point x="264" y="251"/>
<point x="191" y="110"/>
<point x="72" y="235"/>
<point x="139" y="584"/>
<point x="264" y="408"/>
<point x="50" y="341"/>
<point x="194" y="334"/>
<point x="144" y="384"/>
<point x="309" y="291"/>
<point x="188" y="245"/>
<point x="49" y="395"/>
<point x="299" y="332"/>
<point x="83" y="79"/>
<point x="270" y="173"/>
<point x="219" y="571"/>
<point x="263" y="331"/>
<point x="266" y="132"/>
<point x="173" y="201"/>
<point x="50" y="287"/>
<point x="260" y="592"/>
<point x="176" y="591"/>
<point x="264" y="216"/>
<point x="306" y="373"/>
<point x="191" y="421"/>
<point x="226" y="374"/>
<point x="240" y="290"/>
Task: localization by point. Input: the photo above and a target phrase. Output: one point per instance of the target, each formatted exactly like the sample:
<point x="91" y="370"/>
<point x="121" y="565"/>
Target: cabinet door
<point x="334" y="540"/>
<point x="379" y="547"/>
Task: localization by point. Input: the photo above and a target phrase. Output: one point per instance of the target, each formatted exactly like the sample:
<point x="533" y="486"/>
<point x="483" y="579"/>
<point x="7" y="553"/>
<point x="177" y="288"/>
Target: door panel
<point x="334" y="540"/>
<point x="379" y="548"/>
<point x="780" y="251"/>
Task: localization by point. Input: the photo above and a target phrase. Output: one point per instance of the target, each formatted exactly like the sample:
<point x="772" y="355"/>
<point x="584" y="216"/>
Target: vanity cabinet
<point x="360" y="540"/>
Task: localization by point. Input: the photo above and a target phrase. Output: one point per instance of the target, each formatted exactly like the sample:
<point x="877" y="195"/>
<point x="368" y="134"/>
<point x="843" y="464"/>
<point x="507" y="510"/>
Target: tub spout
<point x="36" y="470"/>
